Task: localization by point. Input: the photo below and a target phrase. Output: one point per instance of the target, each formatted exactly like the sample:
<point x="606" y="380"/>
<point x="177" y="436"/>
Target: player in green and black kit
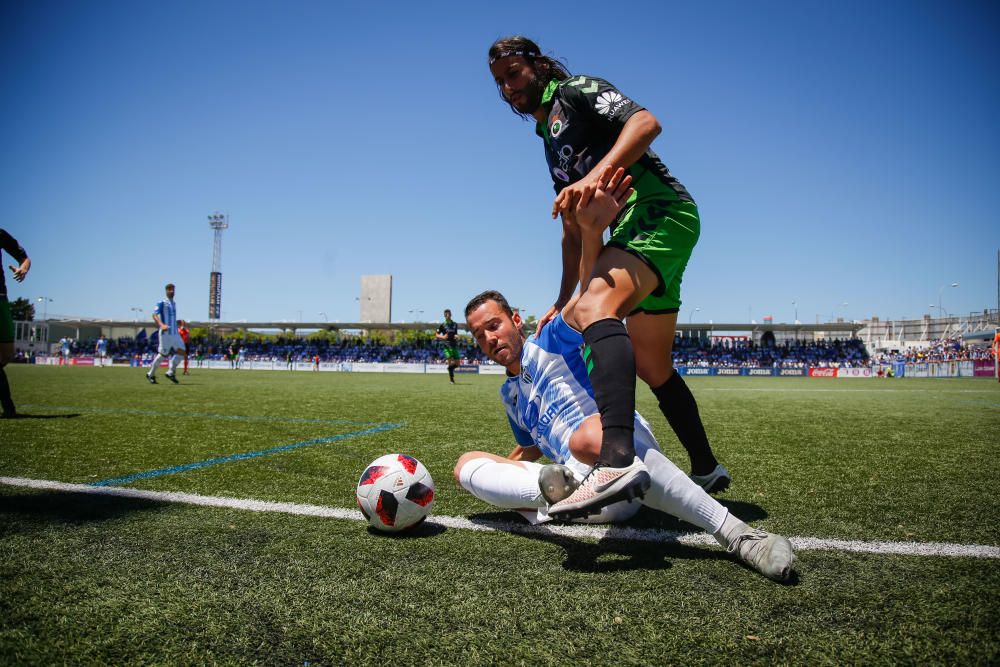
<point x="9" y="244"/>
<point x="448" y="332"/>
<point x="589" y="129"/>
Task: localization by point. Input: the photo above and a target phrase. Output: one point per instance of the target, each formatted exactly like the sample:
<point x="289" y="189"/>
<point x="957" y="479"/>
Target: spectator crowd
<point x="688" y="351"/>
<point x="691" y="351"/>
<point x="943" y="349"/>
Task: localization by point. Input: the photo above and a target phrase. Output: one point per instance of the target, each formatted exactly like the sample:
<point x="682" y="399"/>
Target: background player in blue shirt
<point x="101" y="350"/>
<point x="170" y="345"/>
<point x="10" y="245"/>
<point x="551" y="410"/>
<point x="65" y="349"/>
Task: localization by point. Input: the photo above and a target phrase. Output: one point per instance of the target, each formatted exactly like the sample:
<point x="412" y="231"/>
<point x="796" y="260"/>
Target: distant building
<point x="376" y="299"/>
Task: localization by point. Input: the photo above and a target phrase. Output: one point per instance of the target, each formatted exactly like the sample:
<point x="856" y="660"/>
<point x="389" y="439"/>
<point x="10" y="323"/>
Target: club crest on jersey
<point x="557" y="127"/>
<point x="609" y="102"/>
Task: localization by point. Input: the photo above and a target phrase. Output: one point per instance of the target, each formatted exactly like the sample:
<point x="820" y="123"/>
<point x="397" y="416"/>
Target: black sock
<point x="679" y="407"/>
<point x="451" y="373"/>
<point x="5" y="399"/>
<point x="611" y="366"/>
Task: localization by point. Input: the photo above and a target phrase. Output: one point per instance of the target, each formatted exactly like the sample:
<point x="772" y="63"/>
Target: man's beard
<point x="531" y="97"/>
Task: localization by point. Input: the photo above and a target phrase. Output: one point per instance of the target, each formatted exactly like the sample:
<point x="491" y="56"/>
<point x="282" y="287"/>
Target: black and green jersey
<point x="450" y="330"/>
<point x="586" y="115"/>
<point x="10" y="244"/>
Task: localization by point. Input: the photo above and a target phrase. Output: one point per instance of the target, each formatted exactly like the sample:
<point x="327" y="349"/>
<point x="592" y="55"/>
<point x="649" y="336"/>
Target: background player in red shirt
<point x="185" y="335"/>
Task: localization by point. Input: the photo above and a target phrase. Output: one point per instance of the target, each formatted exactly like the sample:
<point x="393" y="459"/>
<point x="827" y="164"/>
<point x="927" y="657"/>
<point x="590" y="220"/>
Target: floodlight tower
<point x="218" y="222"/>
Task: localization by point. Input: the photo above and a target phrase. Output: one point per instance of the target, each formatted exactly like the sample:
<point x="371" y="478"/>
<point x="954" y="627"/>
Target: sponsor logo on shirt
<point x="609" y="102"/>
<point x="565" y="154"/>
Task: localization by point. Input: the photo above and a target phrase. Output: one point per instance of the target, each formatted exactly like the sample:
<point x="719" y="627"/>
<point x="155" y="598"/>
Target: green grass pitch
<point x="98" y="579"/>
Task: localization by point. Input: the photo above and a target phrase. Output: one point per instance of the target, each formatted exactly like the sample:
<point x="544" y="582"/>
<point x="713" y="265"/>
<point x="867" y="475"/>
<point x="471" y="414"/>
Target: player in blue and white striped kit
<point x="171" y="345"/>
<point x="548" y="400"/>
<point x="550" y="406"/>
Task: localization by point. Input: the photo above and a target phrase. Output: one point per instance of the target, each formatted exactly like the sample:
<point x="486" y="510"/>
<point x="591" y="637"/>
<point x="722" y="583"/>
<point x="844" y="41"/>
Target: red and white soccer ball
<point x="395" y="492"/>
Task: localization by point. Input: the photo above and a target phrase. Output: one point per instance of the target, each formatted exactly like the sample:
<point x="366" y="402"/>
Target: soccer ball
<point x="395" y="492"/>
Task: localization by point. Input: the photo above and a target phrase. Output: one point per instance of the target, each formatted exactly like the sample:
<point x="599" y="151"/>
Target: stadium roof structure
<point x="851" y="328"/>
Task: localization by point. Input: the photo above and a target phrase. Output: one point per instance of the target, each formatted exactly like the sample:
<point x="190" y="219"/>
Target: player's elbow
<point x="646" y="125"/>
<point x="652" y="126"/>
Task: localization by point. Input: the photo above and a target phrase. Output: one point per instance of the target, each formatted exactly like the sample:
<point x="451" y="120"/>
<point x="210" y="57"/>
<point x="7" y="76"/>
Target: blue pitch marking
<point x="208" y="415"/>
<point x="117" y="481"/>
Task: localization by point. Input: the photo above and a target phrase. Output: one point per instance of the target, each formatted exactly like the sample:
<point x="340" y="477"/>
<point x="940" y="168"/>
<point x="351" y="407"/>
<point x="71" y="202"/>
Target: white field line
<point x="843" y="388"/>
<point x="578" y="531"/>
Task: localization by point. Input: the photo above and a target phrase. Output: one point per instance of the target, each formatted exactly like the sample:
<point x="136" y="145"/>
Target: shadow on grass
<point x="68" y="507"/>
<point x="24" y="415"/>
<point x="422" y="529"/>
<point x="614" y="554"/>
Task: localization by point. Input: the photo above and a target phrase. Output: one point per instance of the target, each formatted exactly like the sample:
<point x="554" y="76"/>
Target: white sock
<point x="730" y="530"/>
<point x="671" y="491"/>
<point x="176" y="359"/>
<point x="506" y="485"/>
<point x="156" y="364"/>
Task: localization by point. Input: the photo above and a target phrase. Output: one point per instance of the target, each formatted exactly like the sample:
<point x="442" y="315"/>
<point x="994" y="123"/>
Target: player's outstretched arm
<point x="570" y="272"/>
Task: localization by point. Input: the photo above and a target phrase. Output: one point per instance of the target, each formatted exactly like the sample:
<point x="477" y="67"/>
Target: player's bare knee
<point x="585" y="312"/>
<point x="585" y="443"/>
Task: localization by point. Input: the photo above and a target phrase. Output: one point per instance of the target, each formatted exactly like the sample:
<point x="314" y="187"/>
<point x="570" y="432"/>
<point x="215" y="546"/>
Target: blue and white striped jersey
<point x="548" y="401"/>
<point x="167" y="312"/>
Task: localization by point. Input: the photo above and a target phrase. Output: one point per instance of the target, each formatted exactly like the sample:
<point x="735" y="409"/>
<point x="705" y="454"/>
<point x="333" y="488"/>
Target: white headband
<point x="530" y="53"/>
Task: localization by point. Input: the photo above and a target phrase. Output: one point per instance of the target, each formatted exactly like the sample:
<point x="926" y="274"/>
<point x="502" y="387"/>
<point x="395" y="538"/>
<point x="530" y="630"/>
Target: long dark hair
<point x="546" y="67"/>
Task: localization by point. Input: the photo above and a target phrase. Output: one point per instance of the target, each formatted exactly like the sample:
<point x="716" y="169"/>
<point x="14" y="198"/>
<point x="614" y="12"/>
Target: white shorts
<point x="169" y="341"/>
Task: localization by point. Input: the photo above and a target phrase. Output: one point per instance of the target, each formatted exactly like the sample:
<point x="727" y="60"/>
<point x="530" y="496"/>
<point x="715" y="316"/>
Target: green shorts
<point x="662" y="233"/>
<point x="451" y="353"/>
<point x="6" y="321"/>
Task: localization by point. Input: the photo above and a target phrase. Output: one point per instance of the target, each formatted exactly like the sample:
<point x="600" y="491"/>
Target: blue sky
<point x="839" y="152"/>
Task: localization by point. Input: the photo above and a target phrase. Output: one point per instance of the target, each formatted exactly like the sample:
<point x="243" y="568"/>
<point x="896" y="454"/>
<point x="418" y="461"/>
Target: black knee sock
<point x="611" y="366"/>
<point x="679" y="407"/>
<point x="451" y="373"/>
<point x="5" y="399"/>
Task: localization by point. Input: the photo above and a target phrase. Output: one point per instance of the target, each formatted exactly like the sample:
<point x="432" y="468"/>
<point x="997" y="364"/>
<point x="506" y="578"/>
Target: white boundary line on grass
<point x="578" y="531"/>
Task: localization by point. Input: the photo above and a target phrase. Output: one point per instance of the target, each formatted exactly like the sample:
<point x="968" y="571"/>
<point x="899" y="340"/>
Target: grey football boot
<point x="556" y="482"/>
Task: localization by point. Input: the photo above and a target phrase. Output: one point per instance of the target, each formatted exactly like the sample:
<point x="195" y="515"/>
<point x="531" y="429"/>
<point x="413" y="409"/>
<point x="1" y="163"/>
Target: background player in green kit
<point x="589" y="127"/>
<point x="448" y="332"/>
